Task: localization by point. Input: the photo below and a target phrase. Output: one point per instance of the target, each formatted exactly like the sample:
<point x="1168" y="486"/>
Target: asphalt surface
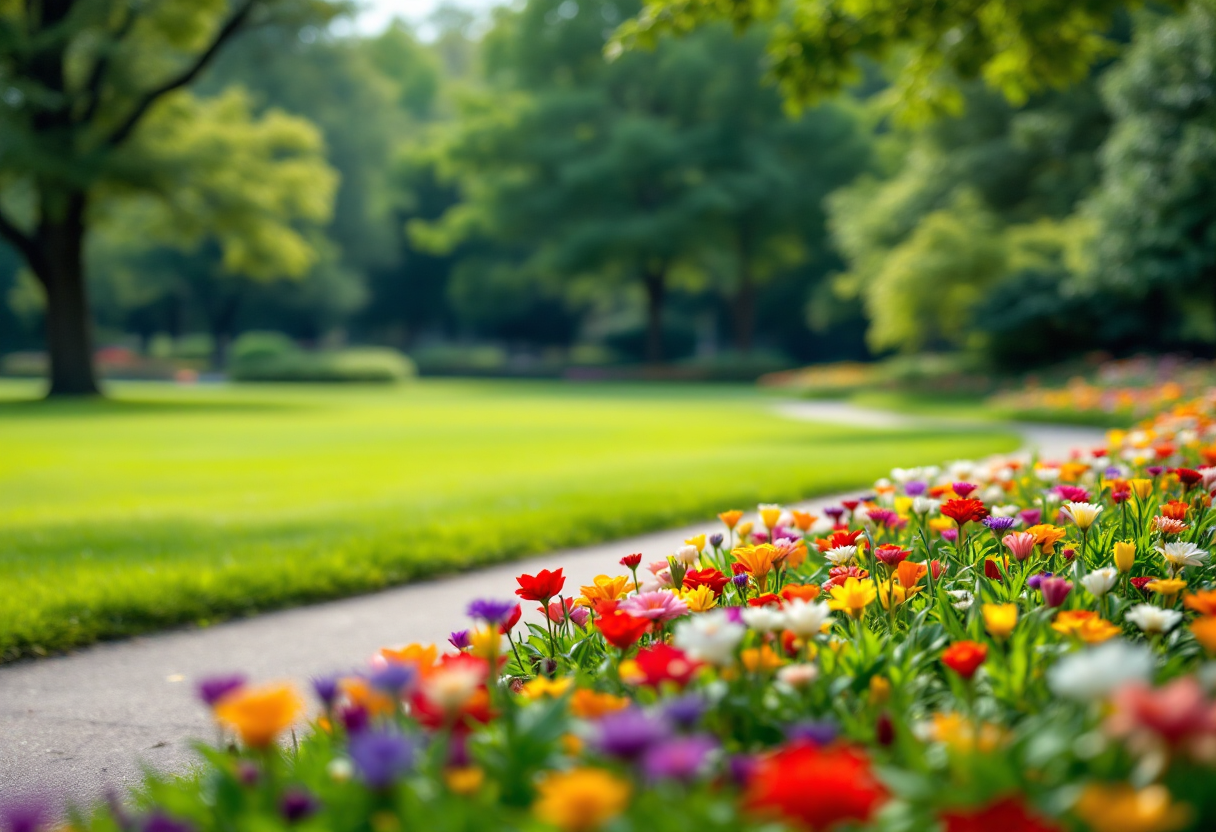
<point x="79" y="724"/>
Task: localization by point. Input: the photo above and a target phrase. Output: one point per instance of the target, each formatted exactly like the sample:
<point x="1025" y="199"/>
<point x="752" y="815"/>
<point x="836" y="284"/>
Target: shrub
<point x="270" y="357"/>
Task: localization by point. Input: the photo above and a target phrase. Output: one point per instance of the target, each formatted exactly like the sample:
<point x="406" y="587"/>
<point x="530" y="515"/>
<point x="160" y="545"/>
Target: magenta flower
<point x="1020" y="544"/>
<point x="656" y="606"/>
<point x="1055" y="590"/>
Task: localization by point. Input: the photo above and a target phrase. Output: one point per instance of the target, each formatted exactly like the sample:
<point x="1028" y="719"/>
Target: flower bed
<point x="988" y="646"/>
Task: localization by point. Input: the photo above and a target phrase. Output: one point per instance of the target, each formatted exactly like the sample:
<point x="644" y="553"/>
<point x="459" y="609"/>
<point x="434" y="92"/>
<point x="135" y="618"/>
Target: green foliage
<point x="282" y="495"/>
<point x="264" y="362"/>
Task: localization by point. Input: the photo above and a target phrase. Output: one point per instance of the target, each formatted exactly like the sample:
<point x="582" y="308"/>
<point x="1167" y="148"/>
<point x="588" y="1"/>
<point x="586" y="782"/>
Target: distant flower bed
<point x="998" y="646"/>
<point x="1134" y="388"/>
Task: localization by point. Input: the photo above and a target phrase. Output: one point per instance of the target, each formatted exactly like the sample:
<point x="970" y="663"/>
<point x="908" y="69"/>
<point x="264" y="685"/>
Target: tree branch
<point x="21" y="241"/>
<point x="101" y="68"/>
<point x="124" y="130"/>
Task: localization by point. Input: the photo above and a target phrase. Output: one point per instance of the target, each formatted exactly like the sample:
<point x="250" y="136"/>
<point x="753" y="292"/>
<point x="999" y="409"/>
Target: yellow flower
<point x="1085" y="625"/>
<point x="894" y="593"/>
<point x="730" y="518"/>
<point x="696" y="540"/>
<point x="1168" y="588"/>
<point x="1205" y="632"/>
<point x="425" y="656"/>
<point x="1047" y="536"/>
<point x="769" y="515"/>
<point x="744" y="529"/>
<point x="485" y="643"/>
<point x="540" y="687"/>
<point x="604" y="588"/>
<point x="700" y="599"/>
<point x="758" y="560"/>
<point x="582" y="799"/>
<point x="1141" y="487"/>
<point x="1125" y="556"/>
<point x="1122" y="808"/>
<point x="572" y="744"/>
<point x="880" y="690"/>
<point x="1000" y="619"/>
<point x="853" y="596"/>
<point x="941" y="524"/>
<point x="903" y="505"/>
<point x="465" y="780"/>
<point x="959" y="733"/>
<point x="260" y="714"/>
<point x="762" y="658"/>
<point x="591" y="705"/>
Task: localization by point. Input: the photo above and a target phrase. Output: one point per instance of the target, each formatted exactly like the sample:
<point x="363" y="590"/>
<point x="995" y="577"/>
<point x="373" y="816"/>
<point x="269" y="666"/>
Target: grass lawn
<point x="976" y="408"/>
<point x="167" y="505"/>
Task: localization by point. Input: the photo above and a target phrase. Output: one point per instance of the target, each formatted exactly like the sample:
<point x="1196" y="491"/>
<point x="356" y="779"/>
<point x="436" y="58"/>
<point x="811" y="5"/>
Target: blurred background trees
<point x="497" y="196"/>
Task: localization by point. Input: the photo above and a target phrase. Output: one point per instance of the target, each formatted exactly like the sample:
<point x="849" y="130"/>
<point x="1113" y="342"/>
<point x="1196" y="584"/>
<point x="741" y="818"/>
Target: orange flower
<point x="758" y="560"/>
<point x="1202" y="601"/>
<point x="361" y="692"/>
<point x="761" y="658"/>
<point x="260" y="714"/>
<point x="803" y="519"/>
<point x="1175" y="510"/>
<point x="1085" y="625"/>
<point x="604" y="588"/>
<point x="807" y="592"/>
<point x="1047" y="536"/>
<point x="590" y="704"/>
<point x="423" y="655"/>
<point x="1204" y="630"/>
<point x="965" y="657"/>
<point x="731" y="518"/>
<point x="909" y="573"/>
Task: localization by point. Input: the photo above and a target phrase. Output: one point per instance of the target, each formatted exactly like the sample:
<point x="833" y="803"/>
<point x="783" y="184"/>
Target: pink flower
<point x="656" y="606"/>
<point x="1020" y="544"/>
<point x="1177" y="714"/>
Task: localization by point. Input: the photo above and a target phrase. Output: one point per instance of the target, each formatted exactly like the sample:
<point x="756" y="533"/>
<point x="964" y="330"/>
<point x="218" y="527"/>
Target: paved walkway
<point x="80" y="723"/>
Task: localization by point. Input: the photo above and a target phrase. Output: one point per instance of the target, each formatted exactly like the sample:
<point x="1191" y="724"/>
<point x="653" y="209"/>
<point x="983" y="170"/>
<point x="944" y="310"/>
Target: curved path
<point x="78" y="724"/>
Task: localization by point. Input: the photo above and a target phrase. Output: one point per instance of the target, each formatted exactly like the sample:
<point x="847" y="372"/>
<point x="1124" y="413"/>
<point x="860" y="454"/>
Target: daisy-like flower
<point x="1169" y="525"/>
<point x="963" y="599"/>
<point x="1152" y="619"/>
<point x="841" y="555"/>
<point x="710" y="638"/>
<point x="1182" y="553"/>
<point x="1083" y="515"/>
<point x="925" y="505"/>
<point x="1094" y="674"/>
<point x="805" y="619"/>
<point x="1100" y="581"/>
<point x="763" y="619"/>
<point x="656" y="606"/>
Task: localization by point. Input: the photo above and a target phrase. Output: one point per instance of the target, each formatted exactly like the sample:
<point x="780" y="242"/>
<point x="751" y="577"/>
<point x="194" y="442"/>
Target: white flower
<point x="961" y="470"/>
<point x="1004" y="511"/>
<point x="822" y="525"/>
<point x="925" y="505"/>
<point x="1047" y="474"/>
<point x="841" y="555"/>
<point x="340" y="769"/>
<point x="797" y="675"/>
<point x="992" y="493"/>
<point x="763" y="619"/>
<point x="1082" y="515"/>
<point x="1052" y="497"/>
<point x="710" y="637"/>
<point x="1152" y="619"/>
<point x="1182" y="554"/>
<point x="962" y="598"/>
<point x="861" y="514"/>
<point x="687" y="555"/>
<point x="1209" y="478"/>
<point x="1100" y="671"/>
<point x="805" y="618"/>
<point x="1101" y="581"/>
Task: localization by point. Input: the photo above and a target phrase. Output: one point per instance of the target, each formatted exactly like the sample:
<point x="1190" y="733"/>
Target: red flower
<point x="540" y="587"/>
<point x="937" y="567"/>
<point x="769" y="599"/>
<point x="505" y="627"/>
<point x="1140" y="583"/>
<point x="621" y="629"/>
<point x="891" y="554"/>
<point x="965" y="657"/>
<point x="991" y="570"/>
<point x="837" y="575"/>
<point x="814" y="787"/>
<point x="631" y="561"/>
<point x="965" y="511"/>
<point x="711" y="578"/>
<point x="664" y="663"/>
<point x="556" y="611"/>
<point x="1188" y="476"/>
<point x="839" y="539"/>
<point x="1006" y="815"/>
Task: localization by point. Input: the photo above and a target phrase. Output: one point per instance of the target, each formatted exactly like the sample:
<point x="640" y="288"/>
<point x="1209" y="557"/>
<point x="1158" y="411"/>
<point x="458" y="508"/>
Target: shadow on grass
<point x="105" y="406"/>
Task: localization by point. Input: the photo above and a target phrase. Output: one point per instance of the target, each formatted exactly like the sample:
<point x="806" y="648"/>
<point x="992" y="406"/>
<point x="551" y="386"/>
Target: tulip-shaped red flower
<point x="540" y="587"/>
<point x="891" y="554"/>
<point x="513" y="619"/>
<point x="711" y="578"/>
<point x="965" y="657"/>
<point x="815" y="788"/>
<point x="630" y="561"/>
<point x="964" y="511"/>
<point x="664" y="663"/>
<point x="621" y="629"/>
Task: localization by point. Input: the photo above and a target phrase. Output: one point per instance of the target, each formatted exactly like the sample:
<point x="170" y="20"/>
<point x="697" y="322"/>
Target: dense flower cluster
<point x="1015" y="645"/>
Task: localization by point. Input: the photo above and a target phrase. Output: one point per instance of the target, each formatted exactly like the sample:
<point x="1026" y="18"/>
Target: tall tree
<point x="81" y="78"/>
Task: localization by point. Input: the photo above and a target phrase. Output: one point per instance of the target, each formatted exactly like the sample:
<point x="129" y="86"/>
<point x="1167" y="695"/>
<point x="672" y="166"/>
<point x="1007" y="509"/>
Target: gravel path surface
<point x="78" y="724"/>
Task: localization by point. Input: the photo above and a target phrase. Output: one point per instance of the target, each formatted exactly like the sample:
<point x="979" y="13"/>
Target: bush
<point x="265" y="359"/>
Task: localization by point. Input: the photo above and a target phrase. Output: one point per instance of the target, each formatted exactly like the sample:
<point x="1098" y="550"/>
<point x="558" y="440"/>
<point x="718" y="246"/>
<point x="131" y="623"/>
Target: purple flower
<point x="950" y="535"/>
<point x="739" y="580"/>
<point x="1036" y="581"/>
<point x="882" y="517"/>
<point x="381" y="757"/>
<point x="740" y="767"/>
<point x="867" y="498"/>
<point x="999" y="525"/>
<point x="781" y="533"/>
<point x="682" y="758"/>
<point x="297" y="805"/>
<point x="1154" y="470"/>
<point x="1031" y="516"/>
<point x="248" y="773"/>
<point x="460" y="639"/>
<point x="685" y="711"/>
<point x="716" y="539"/>
<point x="914" y="488"/>
<point x="326" y="688"/>
<point x="394" y="677"/>
<point x="214" y="688"/>
<point x="962" y="489"/>
<point x="158" y="822"/>
<point x="23" y="814"/>
<point x="734" y="614"/>
<point x="579" y="616"/>
<point x="629" y="734"/>
<point x="1055" y="590"/>
<point x="835" y="512"/>
<point x="820" y="732"/>
<point x="1112" y="473"/>
<point x="354" y="719"/>
<point x="491" y="611"/>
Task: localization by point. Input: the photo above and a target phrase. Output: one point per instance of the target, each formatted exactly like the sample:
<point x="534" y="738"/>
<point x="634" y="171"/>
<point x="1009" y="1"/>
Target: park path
<point x="79" y="724"/>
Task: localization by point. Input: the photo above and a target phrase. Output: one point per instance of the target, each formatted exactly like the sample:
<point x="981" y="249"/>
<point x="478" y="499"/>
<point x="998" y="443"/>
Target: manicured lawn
<point x="168" y="505"/>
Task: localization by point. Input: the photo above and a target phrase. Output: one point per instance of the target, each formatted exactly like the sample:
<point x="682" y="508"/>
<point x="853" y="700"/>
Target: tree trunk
<point x="745" y="311"/>
<point x="656" y="289"/>
<point x="223" y="317"/>
<point x="59" y="243"/>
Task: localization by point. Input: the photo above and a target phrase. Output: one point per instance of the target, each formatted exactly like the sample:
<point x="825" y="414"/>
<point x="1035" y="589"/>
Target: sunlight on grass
<point x="168" y="505"/>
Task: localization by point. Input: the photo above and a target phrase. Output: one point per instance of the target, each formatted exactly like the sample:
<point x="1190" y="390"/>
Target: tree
<point x="1155" y="205"/>
<point x="1019" y="47"/>
<point x="82" y="77"/>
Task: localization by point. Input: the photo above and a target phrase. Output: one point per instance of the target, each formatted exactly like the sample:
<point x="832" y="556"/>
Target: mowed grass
<point x="167" y="505"/>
